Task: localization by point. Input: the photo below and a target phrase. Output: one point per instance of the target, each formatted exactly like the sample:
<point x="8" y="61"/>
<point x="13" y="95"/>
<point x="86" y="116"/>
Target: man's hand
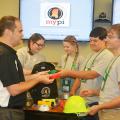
<point x="64" y="73"/>
<point x="43" y="73"/>
<point x="88" y="93"/>
<point x="93" y="110"/>
<point x="45" y="79"/>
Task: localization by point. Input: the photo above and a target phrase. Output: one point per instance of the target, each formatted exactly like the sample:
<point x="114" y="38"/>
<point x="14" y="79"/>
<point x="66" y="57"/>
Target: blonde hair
<point x="73" y="41"/>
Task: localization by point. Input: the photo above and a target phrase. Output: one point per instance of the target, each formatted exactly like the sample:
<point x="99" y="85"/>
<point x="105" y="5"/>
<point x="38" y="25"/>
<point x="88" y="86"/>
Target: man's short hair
<point x="99" y="32"/>
<point x="7" y="22"/>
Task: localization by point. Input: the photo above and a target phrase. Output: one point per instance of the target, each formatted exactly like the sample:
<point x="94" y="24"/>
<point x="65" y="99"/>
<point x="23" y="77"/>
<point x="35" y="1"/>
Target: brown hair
<point x="116" y="28"/>
<point x="34" y="38"/>
<point x="7" y="22"/>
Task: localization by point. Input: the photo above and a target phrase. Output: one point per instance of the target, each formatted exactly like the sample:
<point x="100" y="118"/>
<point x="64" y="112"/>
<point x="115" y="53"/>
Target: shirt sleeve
<point x="101" y="63"/>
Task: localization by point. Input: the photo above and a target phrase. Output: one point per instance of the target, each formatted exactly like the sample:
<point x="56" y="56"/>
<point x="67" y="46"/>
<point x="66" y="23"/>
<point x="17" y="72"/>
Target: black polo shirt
<point x="11" y="72"/>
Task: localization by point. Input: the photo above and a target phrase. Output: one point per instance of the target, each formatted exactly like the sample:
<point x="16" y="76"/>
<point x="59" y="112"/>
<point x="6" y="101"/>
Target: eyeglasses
<point x="39" y="45"/>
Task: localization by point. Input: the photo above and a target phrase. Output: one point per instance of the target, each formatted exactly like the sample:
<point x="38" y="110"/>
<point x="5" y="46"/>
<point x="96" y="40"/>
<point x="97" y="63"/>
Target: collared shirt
<point x="28" y="61"/>
<point x="100" y="63"/>
<point x="111" y="89"/>
<point x="11" y="72"/>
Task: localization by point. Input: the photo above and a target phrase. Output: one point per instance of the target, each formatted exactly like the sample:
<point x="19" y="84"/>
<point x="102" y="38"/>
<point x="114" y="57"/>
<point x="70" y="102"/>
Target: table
<point x="38" y="115"/>
<point x="55" y="113"/>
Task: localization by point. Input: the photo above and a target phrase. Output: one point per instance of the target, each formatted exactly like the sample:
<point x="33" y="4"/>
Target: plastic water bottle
<point x="66" y="88"/>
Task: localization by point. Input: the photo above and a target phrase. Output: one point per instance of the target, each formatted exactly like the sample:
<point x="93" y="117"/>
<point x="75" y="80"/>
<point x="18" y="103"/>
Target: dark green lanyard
<point x="107" y="71"/>
<point x="82" y="80"/>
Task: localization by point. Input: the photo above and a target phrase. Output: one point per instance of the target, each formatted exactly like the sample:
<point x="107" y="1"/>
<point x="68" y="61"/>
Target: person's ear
<point x="7" y="32"/>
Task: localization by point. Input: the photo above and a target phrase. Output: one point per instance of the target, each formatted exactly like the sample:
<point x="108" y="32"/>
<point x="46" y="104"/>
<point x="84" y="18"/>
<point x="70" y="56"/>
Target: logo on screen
<point x="55" y="13"/>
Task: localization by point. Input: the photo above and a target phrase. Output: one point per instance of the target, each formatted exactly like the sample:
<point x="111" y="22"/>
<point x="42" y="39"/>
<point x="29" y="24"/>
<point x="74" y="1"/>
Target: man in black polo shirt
<point x="13" y="86"/>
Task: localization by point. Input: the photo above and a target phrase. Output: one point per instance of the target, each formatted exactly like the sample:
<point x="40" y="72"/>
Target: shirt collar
<point x="8" y="47"/>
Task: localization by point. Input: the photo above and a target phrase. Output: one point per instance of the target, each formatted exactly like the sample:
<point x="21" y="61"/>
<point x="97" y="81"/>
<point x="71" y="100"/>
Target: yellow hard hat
<point x="75" y="104"/>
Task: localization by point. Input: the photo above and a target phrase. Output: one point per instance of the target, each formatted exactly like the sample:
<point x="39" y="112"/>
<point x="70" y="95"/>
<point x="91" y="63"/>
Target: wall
<point x="9" y="7"/>
<point x="53" y="49"/>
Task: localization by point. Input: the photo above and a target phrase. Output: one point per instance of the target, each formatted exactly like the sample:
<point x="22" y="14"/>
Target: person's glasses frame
<point x="39" y="45"/>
